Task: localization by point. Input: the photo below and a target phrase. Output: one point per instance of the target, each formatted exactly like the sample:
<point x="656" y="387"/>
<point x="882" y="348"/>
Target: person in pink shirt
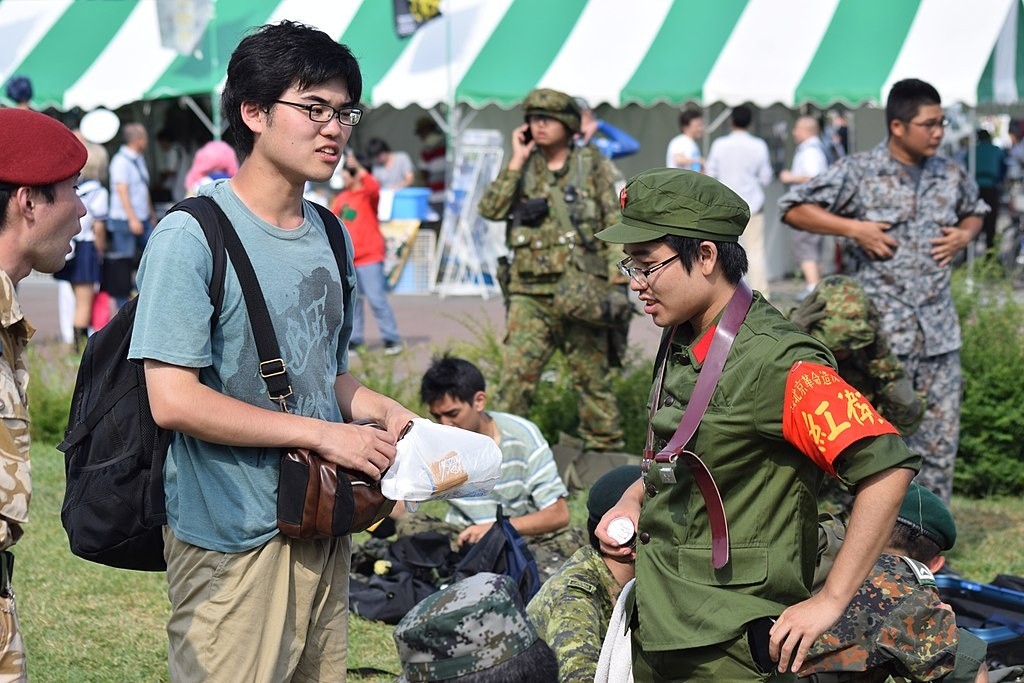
<point x="356" y="206"/>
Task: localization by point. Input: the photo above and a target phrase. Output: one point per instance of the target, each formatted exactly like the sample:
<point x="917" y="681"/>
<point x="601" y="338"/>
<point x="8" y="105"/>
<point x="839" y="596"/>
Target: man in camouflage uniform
<point x="39" y="214"/>
<point x="903" y="213"/>
<point x="839" y="314"/>
<point x="897" y="624"/>
<point x="529" y="490"/>
<point x="556" y="196"/>
<point x="572" y="609"/>
<point x="473" y="630"/>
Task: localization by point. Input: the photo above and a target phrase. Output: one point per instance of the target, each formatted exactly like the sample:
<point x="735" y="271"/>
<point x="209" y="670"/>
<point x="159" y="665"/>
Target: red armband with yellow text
<point x="823" y="414"/>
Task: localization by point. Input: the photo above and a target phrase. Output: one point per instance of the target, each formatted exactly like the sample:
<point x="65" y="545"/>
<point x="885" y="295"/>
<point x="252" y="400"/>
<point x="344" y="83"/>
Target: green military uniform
<point x="16" y="485"/>
<point x="557" y="265"/>
<point x="571" y="612"/>
<point x="692" y="619"/>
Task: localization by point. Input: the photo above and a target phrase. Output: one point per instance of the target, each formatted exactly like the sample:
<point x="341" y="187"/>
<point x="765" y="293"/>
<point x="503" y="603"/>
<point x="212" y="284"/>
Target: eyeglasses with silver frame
<point x="634" y="272"/>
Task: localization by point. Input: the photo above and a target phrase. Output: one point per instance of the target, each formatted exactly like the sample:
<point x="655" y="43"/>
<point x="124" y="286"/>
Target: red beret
<point x="36" y="149"/>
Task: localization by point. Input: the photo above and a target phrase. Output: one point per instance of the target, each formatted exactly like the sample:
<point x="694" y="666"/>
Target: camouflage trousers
<point x="535" y="330"/>
<point x="939" y="379"/>
<point x="12" y="647"/>
<point x="550" y="550"/>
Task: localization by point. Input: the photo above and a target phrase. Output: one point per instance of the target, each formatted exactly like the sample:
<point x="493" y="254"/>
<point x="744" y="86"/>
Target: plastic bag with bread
<point x="438" y="462"/>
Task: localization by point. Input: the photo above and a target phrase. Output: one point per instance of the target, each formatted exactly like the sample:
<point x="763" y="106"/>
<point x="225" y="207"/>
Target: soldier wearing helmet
<point x="563" y="292"/>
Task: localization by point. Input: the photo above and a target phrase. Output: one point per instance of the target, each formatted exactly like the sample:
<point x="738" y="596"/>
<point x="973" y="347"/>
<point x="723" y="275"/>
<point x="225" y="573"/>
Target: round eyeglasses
<point x="323" y="113"/>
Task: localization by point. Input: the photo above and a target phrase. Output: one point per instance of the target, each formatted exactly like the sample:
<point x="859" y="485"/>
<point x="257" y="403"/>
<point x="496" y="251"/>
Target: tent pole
<point x="214" y="72"/>
<point x="201" y="115"/>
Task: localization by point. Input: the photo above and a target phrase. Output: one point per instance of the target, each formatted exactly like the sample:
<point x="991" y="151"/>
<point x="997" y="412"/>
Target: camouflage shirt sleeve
<point x="894" y="622"/>
<point x="572" y="614"/>
<point x="497" y="199"/>
<point x="969" y="203"/>
<point x="15" y="469"/>
<point x="835" y="190"/>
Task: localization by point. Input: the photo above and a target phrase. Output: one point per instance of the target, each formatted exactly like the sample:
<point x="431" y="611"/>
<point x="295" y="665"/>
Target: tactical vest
<point x="564" y="239"/>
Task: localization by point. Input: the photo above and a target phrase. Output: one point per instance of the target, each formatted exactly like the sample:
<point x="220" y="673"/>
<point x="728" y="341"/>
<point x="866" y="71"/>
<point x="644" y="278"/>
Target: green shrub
<point x="991" y="418"/>
<point x="555" y="406"/>
<point x="52" y="373"/>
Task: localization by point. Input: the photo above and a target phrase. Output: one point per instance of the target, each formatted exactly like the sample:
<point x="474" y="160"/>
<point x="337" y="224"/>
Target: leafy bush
<point x="992" y="356"/>
<point x="52" y="374"/>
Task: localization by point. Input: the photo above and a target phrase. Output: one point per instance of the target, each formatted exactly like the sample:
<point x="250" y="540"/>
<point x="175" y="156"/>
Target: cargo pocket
<point x="747" y="566"/>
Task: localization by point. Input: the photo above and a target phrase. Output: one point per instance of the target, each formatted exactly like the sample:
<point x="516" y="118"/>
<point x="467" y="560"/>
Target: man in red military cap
<point x="39" y="214"/>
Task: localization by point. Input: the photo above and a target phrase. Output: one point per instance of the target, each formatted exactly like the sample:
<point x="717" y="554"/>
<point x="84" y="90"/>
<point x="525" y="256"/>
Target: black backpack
<point x="114" y="452"/>
<point x="502" y="551"/>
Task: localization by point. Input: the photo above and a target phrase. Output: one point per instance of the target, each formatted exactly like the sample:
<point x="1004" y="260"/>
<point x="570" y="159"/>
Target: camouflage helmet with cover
<point x="468" y="627"/>
<point x="849" y="323"/>
<point x="553" y="104"/>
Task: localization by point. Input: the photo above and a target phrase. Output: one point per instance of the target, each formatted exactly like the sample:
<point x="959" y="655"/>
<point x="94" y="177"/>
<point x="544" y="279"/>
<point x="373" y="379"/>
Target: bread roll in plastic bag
<point x="438" y="462"/>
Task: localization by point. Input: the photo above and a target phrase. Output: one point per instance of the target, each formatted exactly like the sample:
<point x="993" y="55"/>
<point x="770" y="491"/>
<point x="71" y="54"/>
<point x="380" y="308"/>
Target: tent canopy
<point x="481" y="52"/>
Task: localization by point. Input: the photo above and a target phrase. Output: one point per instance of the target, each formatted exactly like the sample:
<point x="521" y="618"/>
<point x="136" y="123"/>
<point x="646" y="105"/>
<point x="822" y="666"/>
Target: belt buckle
<point x="665" y="467"/>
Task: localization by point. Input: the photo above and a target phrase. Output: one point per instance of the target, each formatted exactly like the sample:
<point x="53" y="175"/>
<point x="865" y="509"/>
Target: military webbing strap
<point x="561" y="208"/>
<point x="707" y="380"/>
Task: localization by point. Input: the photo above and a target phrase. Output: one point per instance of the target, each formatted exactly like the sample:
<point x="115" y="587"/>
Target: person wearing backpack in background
<point x="248" y="603"/>
<point x="39" y="215"/>
<point x="897" y="624"/>
<point x="529" y="489"/>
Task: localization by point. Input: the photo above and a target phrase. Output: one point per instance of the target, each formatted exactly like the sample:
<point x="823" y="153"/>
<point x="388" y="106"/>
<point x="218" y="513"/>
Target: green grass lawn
<point x="84" y="622"/>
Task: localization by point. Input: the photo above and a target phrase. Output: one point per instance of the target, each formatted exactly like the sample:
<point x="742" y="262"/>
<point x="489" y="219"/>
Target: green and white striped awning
<point x="88" y="53"/>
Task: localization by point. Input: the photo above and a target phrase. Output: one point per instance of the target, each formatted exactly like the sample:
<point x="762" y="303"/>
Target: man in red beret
<point x="39" y="214"/>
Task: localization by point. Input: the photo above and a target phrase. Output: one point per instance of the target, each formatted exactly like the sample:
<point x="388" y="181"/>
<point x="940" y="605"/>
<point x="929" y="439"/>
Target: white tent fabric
<point x="481" y="52"/>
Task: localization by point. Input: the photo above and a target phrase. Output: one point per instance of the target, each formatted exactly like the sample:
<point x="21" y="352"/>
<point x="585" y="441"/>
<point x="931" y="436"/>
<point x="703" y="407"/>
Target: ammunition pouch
<point x="581" y="291"/>
<point x="504" y="276"/>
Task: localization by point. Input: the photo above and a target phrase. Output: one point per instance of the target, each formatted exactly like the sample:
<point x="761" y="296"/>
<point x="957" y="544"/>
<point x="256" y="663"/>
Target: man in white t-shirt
<point x="809" y="160"/>
<point x="684" y="149"/>
<point x="741" y="162"/>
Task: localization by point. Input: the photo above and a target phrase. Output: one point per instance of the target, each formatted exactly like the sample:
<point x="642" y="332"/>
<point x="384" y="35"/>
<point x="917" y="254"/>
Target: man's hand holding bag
<point x="317" y="498"/>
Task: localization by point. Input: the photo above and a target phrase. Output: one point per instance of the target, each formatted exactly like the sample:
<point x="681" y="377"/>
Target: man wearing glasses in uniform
<point x="247" y="603"/>
<point x="903" y="213"/>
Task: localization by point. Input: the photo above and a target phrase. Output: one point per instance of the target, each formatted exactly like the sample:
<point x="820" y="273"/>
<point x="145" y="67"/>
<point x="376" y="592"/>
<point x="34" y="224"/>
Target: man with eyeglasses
<point x="778" y="419"/>
<point x="562" y="290"/>
<point x="247" y="603"/>
<point x="903" y="212"/>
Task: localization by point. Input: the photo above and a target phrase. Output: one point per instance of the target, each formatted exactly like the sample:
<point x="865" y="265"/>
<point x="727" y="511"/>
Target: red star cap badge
<point x="622" y="198"/>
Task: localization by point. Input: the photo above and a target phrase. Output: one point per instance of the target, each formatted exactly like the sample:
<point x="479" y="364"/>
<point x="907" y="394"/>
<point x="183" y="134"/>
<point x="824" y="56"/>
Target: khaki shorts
<point x="275" y="613"/>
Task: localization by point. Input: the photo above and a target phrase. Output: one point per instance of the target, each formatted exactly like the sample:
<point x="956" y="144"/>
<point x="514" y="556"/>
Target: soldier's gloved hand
<point x="902" y="406"/>
<point x="810" y="311"/>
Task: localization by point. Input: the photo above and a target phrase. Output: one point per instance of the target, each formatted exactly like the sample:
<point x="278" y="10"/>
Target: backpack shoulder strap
<point x="211" y="219"/>
<point x="337" y="239"/>
<point x="221" y="236"/>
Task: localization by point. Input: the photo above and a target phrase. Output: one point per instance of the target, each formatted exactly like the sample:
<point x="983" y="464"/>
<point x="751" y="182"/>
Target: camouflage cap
<point x="925" y="512"/>
<point x="553" y="104"/>
<point x="670" y="201"/>
<point x="470" y="626"/>
<point x="848" y="323"/>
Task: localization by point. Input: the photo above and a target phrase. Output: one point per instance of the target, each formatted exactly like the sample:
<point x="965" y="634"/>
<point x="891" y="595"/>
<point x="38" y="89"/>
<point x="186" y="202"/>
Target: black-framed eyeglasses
<point x="323" y="113"/>
<point x="930" y="125"/>
<point x="629" y="268"/>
